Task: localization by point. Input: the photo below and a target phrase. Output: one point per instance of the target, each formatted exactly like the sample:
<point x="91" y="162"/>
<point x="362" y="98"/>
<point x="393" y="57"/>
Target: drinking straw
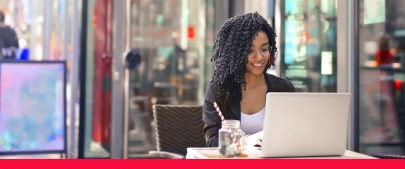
<point x="223" y="121"/>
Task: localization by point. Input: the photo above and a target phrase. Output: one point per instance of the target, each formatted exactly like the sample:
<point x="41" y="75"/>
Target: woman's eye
<point x="265" y="50"/>
<point x="251" y="52"/>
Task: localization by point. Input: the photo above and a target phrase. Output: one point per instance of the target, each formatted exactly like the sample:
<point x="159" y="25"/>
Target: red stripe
<point x="178" y="164"/>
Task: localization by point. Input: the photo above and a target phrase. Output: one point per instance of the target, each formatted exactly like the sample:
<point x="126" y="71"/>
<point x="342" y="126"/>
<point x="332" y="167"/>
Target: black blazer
<point x="231" y="110"/>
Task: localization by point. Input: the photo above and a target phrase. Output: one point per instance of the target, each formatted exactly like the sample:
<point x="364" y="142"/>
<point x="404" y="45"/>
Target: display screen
<point x="32" y="107"/>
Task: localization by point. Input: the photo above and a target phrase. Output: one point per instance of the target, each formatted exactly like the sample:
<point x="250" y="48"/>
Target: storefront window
<point x="381" y="47"/>
<point x="309" y="45"/>
<point x="209" y="41"/>
<point x="26" y="18"/>
<point x="44" y="33"/>
<point x="171" y="38"/>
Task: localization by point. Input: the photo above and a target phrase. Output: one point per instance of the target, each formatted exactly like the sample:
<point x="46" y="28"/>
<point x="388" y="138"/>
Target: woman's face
<point x="259" y="54"/>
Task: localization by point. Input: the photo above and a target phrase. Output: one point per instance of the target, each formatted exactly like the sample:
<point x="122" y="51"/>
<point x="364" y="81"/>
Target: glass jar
<point x="231" y="139"/>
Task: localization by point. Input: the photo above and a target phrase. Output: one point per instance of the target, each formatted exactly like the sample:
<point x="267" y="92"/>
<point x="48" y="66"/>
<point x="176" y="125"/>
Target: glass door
<point x="96" y="140"/>
<point x="309" y="44"/>
<point x="169" y="37"/>
<point x="381" y="55"/>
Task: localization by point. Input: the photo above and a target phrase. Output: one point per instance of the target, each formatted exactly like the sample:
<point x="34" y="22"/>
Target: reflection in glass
<point x="309" y="45"/>
<point x="171" y="40"/>
<point x="381" y="77"/>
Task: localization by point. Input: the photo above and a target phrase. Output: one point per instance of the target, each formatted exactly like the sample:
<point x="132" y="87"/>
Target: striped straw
<point x="223" y="121"/>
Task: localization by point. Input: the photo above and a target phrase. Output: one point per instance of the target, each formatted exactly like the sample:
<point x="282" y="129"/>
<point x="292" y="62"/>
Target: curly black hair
<point x="231" y="48"/>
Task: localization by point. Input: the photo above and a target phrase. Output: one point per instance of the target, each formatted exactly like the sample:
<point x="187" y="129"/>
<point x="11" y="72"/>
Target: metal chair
<point x="177" y="128"/>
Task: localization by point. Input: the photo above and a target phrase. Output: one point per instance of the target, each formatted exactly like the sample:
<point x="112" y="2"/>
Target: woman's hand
<point x="255" y="139"/>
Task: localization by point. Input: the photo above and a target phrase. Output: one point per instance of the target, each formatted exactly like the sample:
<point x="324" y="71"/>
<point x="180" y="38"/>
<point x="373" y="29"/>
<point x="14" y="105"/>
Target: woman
<point x="244" y="49"/>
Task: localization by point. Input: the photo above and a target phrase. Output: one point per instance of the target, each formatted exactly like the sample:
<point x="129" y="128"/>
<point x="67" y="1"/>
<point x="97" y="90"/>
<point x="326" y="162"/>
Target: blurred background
<point x="121" y="57"/>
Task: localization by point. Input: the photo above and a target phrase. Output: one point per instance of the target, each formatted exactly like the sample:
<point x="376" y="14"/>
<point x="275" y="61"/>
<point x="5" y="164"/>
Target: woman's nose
<point x="258" y="56"/>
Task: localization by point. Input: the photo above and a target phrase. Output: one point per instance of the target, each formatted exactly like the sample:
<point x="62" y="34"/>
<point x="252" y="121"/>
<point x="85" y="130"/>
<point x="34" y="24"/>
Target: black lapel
<point x="236" y="109"/>
<point x="274" y="84"/>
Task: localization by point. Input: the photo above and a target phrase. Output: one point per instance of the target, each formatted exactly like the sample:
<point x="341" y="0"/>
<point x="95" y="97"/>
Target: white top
<point x="251" y="124"/>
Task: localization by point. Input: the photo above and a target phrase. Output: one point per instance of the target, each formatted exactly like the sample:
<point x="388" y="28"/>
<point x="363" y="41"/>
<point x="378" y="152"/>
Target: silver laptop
<point x="305" y="124"/>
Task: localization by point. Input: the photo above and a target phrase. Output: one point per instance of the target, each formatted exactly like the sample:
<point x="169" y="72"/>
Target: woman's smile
<point x="258" y="65"/>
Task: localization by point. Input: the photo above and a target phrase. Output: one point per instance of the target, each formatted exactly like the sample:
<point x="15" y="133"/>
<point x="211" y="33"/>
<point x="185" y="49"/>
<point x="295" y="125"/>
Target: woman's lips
<point x="258" y="65"/>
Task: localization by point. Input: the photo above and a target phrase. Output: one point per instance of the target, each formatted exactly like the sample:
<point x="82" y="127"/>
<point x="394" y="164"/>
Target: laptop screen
<point x="305" y="124"/>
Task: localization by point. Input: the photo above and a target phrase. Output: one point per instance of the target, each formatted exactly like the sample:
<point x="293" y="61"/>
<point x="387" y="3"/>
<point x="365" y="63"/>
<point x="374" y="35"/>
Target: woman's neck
<point x="254" y="80"/>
